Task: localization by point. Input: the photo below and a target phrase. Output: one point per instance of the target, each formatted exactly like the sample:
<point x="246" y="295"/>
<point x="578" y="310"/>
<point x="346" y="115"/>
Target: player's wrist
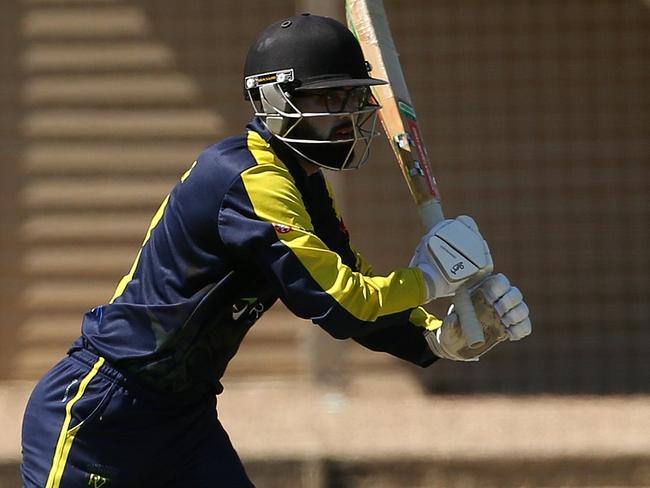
<point x="435" y="286"/>
<point x="450" y="254"/>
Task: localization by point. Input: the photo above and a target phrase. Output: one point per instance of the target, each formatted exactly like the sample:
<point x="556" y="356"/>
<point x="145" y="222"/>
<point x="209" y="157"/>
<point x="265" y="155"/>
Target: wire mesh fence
<point x="536" y="115"/>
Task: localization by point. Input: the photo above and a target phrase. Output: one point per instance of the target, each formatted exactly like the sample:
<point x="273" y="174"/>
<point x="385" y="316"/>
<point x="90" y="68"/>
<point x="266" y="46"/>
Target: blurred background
<point x="536" y="116"/>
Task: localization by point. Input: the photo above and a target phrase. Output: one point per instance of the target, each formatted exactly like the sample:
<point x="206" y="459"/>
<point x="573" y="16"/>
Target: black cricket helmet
<point x="312" y="53"/>
<point x="306" y="52"/>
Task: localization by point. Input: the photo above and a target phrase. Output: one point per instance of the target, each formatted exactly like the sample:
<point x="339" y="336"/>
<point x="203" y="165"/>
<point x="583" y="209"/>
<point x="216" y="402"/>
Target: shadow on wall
<point x="210" y="40"/>
<point x="11" y="149"/>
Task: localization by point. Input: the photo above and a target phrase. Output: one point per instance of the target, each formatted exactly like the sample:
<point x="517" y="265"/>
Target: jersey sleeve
<point x="403" y="337"/>
<point x="263" y="218"/>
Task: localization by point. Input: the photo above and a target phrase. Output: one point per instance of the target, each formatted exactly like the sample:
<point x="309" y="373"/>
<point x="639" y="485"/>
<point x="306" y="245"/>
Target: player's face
<point x="335" y="101"/>
<point x="333" y="126"/>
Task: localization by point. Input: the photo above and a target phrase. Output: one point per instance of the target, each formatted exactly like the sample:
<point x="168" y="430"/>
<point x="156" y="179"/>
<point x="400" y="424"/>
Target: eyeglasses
<point x="339" y="100"/>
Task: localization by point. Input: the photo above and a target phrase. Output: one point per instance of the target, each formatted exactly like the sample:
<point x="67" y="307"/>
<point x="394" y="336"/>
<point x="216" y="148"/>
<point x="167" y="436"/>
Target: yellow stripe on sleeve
<point x="364" y="297"/>
<point x="187" y="173"/>
<point x="67" y="435"/>
<point x="420" y="317"/>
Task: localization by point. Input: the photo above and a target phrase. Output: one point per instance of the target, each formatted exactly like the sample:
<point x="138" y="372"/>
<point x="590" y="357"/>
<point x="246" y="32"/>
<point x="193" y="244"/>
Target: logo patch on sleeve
<point x="282" y="228"/>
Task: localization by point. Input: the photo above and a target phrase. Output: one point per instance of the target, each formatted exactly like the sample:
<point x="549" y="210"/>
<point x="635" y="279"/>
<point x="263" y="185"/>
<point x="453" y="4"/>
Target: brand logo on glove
<point x="457" y="267"/>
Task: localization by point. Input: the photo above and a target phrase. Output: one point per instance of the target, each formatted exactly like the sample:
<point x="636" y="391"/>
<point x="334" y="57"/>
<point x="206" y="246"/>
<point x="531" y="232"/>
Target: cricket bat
<point x="368" y="21"/>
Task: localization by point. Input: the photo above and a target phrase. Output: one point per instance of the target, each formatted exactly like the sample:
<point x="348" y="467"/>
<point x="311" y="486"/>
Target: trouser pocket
<point x="92" y="394"/>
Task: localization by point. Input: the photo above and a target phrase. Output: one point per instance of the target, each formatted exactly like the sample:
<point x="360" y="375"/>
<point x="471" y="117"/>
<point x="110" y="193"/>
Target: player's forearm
<point x="324" y="290"/>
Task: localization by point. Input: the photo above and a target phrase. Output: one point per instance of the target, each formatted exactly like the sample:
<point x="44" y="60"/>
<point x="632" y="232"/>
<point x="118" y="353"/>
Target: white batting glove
<point x="500" y="309"/>
<point x="450" y="254"/>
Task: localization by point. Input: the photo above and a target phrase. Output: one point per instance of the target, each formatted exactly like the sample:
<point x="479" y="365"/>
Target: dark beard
<point x="334" y="155"/>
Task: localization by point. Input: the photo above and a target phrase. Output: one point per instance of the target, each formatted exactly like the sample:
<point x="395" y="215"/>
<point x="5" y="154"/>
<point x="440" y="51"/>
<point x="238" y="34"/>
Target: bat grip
<point x="469" y="323"/>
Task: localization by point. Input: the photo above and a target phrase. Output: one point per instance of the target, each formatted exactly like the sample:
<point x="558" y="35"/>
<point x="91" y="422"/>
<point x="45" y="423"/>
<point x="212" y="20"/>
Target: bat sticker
<point x="422" y="154"/>
<point x="404" y="141"/>
<point x="406" y="110"/>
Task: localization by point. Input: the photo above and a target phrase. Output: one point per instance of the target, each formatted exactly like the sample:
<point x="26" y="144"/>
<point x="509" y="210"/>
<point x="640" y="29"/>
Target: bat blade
<point x="368" y="21"/>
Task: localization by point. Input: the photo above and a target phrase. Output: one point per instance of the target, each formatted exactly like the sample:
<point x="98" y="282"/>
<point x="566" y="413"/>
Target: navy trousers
<point x="87" y="426"/>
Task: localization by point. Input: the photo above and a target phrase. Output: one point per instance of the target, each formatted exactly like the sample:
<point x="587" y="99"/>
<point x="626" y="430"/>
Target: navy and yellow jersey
<point x="245" y="226"/>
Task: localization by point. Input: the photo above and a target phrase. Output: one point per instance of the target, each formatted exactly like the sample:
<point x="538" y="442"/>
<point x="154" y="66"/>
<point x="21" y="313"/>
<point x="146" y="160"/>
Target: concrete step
<point x="88" y="57"/>
<point x="82" y="262"/>
<point x="109" y="193"/>
<point x="159" y="123"/>
<point x="141" y="158"/>
<point x="110" y="89"/>
<point x="50" y="329"/>
<point x="91" y="21"/>
<point x="88" y="227"/>
<point x="67" y="296"/>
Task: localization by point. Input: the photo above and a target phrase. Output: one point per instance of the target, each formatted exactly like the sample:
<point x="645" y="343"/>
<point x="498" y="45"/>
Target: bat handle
<point x="469" y="323"/>
<point x="430" y="214"/>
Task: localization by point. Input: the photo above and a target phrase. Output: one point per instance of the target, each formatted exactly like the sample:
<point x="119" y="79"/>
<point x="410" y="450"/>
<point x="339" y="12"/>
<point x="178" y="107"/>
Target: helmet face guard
<point x="313" y="55"/>
<point x="287" y="122"/>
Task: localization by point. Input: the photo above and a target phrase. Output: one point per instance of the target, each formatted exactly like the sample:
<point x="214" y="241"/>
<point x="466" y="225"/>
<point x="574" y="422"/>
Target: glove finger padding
<point x="500" y="306"/>
<point x="501" y="312"/>
<point x="494" y="287"/>
<point x="452" y="338"/>
<point x="520" y="330"/>
<point x="510" y="300"/>
<point x="516" y="315"/>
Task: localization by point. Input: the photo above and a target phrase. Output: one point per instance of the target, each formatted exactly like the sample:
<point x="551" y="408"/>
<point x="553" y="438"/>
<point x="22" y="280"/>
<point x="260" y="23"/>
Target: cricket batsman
<point x="253" y="220"/>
